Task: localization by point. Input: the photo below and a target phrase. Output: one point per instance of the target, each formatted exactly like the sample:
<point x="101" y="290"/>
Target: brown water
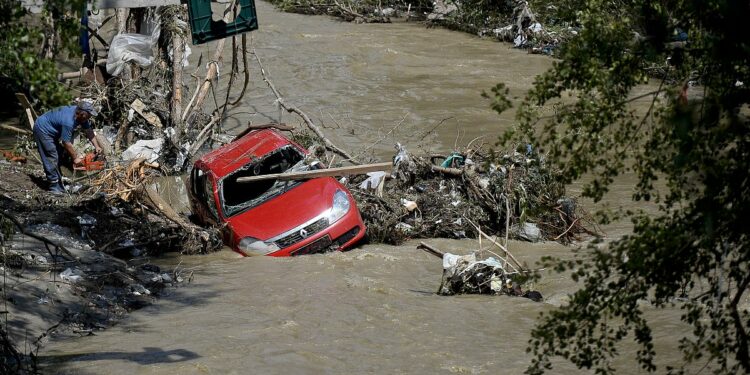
<point x="373" y="309"/>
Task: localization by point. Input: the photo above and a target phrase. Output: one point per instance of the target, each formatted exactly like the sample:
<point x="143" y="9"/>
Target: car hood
<point x="285" y="211"/>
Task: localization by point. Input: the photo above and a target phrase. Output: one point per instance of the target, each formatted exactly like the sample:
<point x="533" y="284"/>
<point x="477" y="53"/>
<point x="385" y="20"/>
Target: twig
<point x="487" y="236"/>
<point x="292" y="109"/>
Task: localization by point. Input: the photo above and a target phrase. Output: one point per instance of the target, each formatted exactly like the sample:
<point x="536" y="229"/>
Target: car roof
<point x="255" y="144"/>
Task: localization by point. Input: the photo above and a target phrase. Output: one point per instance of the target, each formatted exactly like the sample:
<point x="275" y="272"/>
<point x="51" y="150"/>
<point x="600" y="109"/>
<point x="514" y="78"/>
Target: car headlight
<point x="255" y="246"/>
<point x="340" y="207"/>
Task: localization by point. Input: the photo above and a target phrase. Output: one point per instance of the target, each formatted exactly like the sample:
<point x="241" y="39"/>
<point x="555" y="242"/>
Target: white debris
<point x="72" y="275"/>
<point x="148" y="149"/>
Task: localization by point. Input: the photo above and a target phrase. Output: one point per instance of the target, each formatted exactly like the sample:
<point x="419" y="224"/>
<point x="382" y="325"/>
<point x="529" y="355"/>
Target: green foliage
<point x="23" y="64"/>
<point x="696" y="253"/>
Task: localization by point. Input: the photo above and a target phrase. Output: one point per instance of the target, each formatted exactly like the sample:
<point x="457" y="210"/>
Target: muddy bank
<point x="60" y="277"/>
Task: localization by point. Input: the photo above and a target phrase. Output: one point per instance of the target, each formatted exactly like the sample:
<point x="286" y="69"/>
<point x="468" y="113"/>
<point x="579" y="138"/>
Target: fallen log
<point x="330" y="172"/>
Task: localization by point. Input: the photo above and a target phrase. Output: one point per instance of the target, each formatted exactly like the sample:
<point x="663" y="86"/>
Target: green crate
<point x="205" y="29"/>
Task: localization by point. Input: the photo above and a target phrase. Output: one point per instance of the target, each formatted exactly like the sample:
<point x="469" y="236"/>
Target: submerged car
<point x="271" y="217"/>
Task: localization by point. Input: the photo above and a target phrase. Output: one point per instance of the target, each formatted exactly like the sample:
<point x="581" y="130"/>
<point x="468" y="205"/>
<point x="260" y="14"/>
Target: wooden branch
<point x="158" y="203"/>
<point x="431" y="250"/>
<point x="330" y="172"/>
<point x="203" y="136"/>
<point x="178" y="50"/>
<point x="152" y="119"/>
<point x="251" y="127"/>
<point x="201" y="91"/>
<point x="503" y="248"/>
<point x="15" y="129"/>
<point x="448" y="171"/>
<point x="292" y="109"/>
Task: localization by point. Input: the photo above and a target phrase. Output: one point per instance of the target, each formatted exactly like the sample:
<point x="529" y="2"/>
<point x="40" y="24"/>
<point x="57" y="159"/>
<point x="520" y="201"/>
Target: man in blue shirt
<point x="53" y="132"/>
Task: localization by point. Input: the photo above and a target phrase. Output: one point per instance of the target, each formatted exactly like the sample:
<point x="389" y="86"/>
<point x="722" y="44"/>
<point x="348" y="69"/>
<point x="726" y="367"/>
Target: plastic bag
<point x="137" y="48"/>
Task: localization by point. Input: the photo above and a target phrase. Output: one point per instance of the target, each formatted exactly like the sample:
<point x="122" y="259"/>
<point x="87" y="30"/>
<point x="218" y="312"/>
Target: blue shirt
<point x="59" y="123"/>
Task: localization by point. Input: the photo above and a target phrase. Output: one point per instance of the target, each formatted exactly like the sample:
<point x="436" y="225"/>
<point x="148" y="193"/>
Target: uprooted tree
<point x="693" y="140"/>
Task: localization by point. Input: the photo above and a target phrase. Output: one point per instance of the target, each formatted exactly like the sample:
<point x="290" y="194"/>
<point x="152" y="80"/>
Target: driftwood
<point x="158" y="203"/>
<point x="308" y="121"/>
<point x="15" y="129"/>
<point x="150" y="117"/>
<point x="432" y="250"/>
<point x="448" y="171"/>
<point x="330" y="172"/>
<point x="178" y="51"/>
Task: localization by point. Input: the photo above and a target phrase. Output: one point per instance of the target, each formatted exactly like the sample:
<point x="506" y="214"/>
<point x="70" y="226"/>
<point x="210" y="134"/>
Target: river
<point x="372" y="309"/>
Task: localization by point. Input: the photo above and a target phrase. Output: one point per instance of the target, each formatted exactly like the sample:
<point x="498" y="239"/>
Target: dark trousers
<point x="50" y="152"/>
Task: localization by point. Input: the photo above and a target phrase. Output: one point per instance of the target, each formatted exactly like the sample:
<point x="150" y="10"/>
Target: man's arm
<point x="92" y="138"/>
<point x="72" y="152"/>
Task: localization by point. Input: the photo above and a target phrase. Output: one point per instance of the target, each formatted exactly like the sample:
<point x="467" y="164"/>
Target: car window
<point x="237" y="197"/>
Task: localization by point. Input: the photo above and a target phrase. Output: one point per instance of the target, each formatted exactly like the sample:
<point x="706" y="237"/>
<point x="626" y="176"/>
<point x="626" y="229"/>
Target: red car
<point x="271" y="217"/>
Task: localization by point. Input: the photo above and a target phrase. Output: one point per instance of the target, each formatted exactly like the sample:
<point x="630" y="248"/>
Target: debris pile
<point x="515" y="194"/>
<point x="469" y="274"/>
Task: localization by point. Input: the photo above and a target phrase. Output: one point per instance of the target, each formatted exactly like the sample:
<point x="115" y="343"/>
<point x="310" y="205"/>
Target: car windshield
<point x="237" y="197"/>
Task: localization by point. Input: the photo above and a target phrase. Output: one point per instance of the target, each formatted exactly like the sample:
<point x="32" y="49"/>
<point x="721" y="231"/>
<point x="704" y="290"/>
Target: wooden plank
<point x="139" y="107"/>
<point x="330" y="172"/>
<point x="106" y="4"/>
<point x="15" y="129"/>
<point x="29" y="117"/>
<point x="26" y="104"/>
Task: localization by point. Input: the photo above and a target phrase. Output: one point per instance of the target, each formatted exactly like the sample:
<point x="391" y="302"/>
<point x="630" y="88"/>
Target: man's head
<point x="84" y="111"/>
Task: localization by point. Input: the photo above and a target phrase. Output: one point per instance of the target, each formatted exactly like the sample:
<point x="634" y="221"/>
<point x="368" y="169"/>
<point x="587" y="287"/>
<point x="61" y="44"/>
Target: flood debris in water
<point x="515" y="194"/>
<point x="476" y="273"/>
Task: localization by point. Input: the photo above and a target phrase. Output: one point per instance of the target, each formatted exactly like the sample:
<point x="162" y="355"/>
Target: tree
<point x="696" y="253"/>
<point x="29" y="45"/>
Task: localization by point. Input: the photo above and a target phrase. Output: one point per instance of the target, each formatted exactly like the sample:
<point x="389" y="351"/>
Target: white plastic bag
<point x="145" y="148"/>
<point x="137" y="48"/>
<point x="126" y="48"/>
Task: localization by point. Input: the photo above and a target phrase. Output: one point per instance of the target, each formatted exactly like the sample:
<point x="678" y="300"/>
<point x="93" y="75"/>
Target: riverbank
<point x="56" y="281"/>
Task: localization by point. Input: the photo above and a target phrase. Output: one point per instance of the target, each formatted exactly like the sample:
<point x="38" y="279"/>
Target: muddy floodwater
<point x="372" y="309"/>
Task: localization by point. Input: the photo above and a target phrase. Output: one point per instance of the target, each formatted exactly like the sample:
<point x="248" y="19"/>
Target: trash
<point x="138" y="290"/>
<point x="72" y="275"/>
<point x="149" y="149"/>
<point x="136" y="48"/>
<point x="86" y="222"/>
<point x="403" y="227"/>
<point x="373" y="180"/>
<point x="466" y="275"/>
<point x="530" y="232"/>
<point x="410" y="205"/>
